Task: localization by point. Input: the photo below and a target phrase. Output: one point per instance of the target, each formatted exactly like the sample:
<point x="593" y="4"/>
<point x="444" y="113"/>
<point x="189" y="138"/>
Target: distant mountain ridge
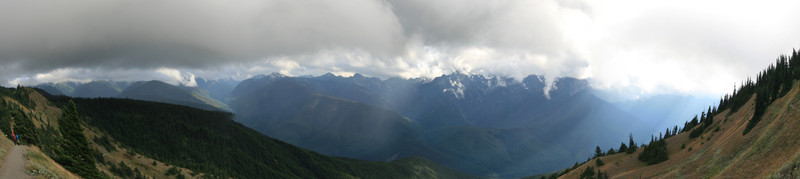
<point x="514" y="116"/>
<point x="157" y="91"/>
<point x="162" y="92"/>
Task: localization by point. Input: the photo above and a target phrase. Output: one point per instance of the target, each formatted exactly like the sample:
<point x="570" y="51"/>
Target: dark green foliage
<point x="5" y="117"/>
<point x="601" y="175"/>
<point x="22" y="95"/>
<point x="74" y="152"/>
<point x="709" y="118"/>
<point x="762" y="101"/>
<point x="675" y="130"/>
<point x="13" y="113"/>
<point x="599" y="162"/>
<point x="655" y="152"/>
<point x="24" y="128"/>
<point x="588" y="173"/>
<point x="598" y="152"/>
<point x="212" y="143"/>
<point x="696" y="132"/>
<point x="105" y="142"/>
<point x="122" y="170"/>
<point x="738" y="98"/>
<point x="155" y="163"/>
<point x="139" y="174"/>
<point x="770" y="84"/>
<point x="631" y="145"/>
<point x="623" y="148"/>
<point x="172" y="171"/>
<point x="688" y="126"/>
<point x="98" y="157"/>
<point x="611" y="151"/>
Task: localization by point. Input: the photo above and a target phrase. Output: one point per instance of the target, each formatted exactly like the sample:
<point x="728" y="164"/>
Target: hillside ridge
<point x="751" y="134"/>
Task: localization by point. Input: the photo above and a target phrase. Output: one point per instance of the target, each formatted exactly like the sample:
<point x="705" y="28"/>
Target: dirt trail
<point x="14" y="165"/>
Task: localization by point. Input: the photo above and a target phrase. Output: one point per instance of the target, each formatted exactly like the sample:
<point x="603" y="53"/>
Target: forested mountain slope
<point x="751" y="134"/>
<point x="77" y="132"/>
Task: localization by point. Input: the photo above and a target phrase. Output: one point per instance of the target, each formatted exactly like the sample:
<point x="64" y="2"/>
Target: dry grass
<point x="772" y="148"/>
<point x="5" y="146"/>
<point x="41" y="166"/>
<point x="44" y="111"/>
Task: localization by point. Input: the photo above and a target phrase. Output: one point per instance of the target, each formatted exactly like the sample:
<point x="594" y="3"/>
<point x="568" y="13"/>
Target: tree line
<point x="770" y="84"/>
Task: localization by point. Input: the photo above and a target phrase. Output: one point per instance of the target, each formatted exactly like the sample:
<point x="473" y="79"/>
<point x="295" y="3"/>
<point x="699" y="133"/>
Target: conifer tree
<point x="675" y="130"/>
<point x="75" y="154"/>
<point x="631" y="145"/>
<point x="599" y="162"/>
<point x="709" y="117"/>
<point x="623" y="148"/>
<point x="598" y="152"/>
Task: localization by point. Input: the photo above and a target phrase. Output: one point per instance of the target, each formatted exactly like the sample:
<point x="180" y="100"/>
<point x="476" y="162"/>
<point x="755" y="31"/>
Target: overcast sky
<point x="638" y="46"/>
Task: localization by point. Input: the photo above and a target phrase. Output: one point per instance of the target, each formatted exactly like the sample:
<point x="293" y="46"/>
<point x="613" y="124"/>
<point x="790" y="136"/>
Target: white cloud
<point x="687" y="46"/>
<point x="176" y="76"/>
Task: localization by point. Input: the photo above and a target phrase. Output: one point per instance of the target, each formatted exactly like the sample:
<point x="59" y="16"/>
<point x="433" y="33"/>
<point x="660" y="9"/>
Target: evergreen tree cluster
<point x="698" y="127"/>
<point x="774" y="83"/>
<point x="631" y="145"/>
<point x="74" y="152"/>
<point x="654" y="152"/>
<point x="590" y="173"/>
<point x="66" y="145"/>
<point x="565" y="171"/>
<point x="599" y="162"/>
<point x="124" y="171"/>
<point x="105" y="142"/>
<point x="770" y="84"/>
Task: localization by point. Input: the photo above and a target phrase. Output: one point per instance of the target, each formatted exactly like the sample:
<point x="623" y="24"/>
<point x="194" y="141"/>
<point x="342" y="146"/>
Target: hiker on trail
<point x="14" y="137"/>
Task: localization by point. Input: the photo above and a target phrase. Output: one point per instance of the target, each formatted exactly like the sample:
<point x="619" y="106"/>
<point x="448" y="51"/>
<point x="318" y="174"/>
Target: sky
<point x="634" y="47"/>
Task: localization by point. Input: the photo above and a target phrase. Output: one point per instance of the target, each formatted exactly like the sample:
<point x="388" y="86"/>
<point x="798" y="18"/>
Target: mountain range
<point x="488" y="126"/>
<point x="482" y="125"/>
<point x="157" y="91"/>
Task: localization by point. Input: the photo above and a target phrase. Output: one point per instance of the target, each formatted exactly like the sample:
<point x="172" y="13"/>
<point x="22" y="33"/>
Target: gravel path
<point x="14" y="166"/>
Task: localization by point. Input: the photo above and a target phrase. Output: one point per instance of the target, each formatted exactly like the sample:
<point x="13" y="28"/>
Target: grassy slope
<point x="43" y="166"/>
<point x="770" y="150"/>
<point x="36" y="162"/>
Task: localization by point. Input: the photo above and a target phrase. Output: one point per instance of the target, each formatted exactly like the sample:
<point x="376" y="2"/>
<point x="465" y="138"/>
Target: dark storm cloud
<point x="50" y="40"/>
<point x="44" y="35"/>
<point x="401" y="38"/>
